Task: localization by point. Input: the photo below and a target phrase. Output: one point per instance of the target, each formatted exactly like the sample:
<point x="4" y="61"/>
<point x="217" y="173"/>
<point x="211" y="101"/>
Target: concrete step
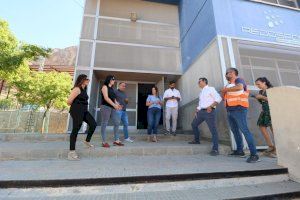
<point x="134" y="169"/>
<point x="45" y="150"/>
<point x="179" y="191"/>
<point x="37" y="137"/>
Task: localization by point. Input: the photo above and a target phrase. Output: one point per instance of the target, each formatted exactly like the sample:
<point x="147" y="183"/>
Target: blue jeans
<point x="210" y="119"/>
<point x="124" y="119"/>
<point x="238" y="121"/>
<point x="153" y="117"/>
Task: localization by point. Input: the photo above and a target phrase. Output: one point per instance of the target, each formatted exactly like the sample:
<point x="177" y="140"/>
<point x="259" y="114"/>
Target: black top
<point x="81" y="101"/>
<point x="111" y="95"/>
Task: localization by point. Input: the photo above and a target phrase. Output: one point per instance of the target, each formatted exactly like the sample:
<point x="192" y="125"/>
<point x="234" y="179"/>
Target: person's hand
<point x="117" y="107"/>
<point x="209" y="109"/>
<point x="196" y="112"/>
<point x="224" y="90"/>
<point x="259" y="96"/>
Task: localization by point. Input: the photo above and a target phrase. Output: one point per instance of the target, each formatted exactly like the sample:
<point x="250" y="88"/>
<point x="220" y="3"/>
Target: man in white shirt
<point x="172" y="97"/>
<point x="208" y="99"/>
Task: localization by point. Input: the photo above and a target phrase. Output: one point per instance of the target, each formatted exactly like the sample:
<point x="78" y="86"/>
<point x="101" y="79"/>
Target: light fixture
<point x="133" y="16"/>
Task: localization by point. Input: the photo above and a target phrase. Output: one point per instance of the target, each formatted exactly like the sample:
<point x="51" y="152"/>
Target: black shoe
<point x="238" y="154"/>
<point x="166" y="132"/>
<point x="174" y="133"/>
<point x="194" y="142"/>
<point x="214" y="153"/>
<point x="253" y="159"/>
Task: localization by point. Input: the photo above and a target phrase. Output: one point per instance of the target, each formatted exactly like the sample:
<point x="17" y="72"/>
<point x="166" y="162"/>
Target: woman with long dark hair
<point x="78" y="100"/>
<point x="264" y="120"/>
<point x="154" y="103"/>
<point x="108" y="109"/>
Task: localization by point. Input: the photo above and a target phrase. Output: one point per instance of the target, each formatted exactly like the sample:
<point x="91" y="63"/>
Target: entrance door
<point x="143" y="91"/>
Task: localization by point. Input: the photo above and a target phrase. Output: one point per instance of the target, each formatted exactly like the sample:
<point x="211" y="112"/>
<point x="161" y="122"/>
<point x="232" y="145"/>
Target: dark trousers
<point x="78" y="118"/>
<point x="153" y="116"/>
<point x="210" y="119"/>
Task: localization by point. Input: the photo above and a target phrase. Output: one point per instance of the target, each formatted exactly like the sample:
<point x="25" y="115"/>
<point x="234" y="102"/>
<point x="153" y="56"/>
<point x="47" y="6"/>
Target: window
<point x="287" y="3"/>
<point x="280" y="64"/>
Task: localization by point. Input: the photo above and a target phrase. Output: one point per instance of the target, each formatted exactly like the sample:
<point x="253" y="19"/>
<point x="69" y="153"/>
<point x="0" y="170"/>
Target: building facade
<point x="183" y="40"/>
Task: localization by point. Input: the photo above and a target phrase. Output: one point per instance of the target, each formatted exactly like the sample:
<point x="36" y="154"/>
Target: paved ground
<point x="126" y="166"/>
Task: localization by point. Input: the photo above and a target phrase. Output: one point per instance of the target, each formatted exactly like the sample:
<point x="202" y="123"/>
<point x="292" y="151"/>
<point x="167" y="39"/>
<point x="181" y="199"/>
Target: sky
<point x="48" y="23"/>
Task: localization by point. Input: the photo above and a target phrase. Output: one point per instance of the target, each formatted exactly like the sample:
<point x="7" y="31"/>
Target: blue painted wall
<point x="202" y="20"/>
<point x="197" y="28"/>
<point x="246" y="19"/>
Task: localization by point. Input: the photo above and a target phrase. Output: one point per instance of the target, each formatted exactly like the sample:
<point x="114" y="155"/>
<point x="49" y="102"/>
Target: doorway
<point x="143" y="91"/>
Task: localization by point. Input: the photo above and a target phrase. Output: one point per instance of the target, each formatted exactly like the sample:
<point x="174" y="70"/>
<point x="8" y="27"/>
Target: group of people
<point x="114" y="101"/>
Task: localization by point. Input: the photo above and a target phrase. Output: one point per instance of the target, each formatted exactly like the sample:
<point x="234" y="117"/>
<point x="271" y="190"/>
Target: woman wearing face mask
<point x="78" y="100"/>
<point x="264" y="120"/>
<point x="108" y="109"/>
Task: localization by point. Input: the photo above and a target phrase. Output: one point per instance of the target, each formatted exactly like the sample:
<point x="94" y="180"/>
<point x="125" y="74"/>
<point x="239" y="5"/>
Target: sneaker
<point x="236" y="154"/>
<point x="72" y="155"/>
<point x="118" y="143"/>
<point x="105" y="145"/>
<point x="214" y="153"/>
<point x="174" y="133"/>
<point x="167" y="132"/>
<point x="253" y="159"/>
<point x="194" y="142"/>
<point x="88" y="144"/>
<point x="128" y="140"/>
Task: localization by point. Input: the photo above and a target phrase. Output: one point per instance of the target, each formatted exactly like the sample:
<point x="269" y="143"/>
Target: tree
<point x="13" y="53"/>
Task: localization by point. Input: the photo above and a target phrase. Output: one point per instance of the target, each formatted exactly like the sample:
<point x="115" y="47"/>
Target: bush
<point x="6" y="104"/>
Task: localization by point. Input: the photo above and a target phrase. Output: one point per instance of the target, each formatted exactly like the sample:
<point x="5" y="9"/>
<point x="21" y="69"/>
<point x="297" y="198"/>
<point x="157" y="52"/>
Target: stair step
<point x="133" y="169"/>
<point x="58" y="150"/>
<point x="179" y="191"/>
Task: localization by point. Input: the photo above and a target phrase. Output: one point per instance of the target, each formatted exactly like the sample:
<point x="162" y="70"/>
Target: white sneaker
<point x="128" y="140"/>
<point x="72" y="155"/>
<point x="88" y="144"/>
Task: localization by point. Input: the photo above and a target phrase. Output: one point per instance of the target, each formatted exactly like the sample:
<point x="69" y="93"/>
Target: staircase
<point x="35" y="167"/>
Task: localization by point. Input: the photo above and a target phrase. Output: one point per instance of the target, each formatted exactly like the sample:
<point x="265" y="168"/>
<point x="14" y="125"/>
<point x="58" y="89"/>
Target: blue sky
<point x="49" y="23"/>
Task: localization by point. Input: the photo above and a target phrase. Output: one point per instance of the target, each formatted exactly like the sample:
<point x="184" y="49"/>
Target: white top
<point x="207" y="97"/>
<point x="172" y="102"/>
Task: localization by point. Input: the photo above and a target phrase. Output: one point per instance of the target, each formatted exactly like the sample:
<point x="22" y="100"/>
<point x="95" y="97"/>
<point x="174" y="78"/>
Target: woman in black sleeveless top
<point x="108" y="109"/>
<point x="78" y="101"/>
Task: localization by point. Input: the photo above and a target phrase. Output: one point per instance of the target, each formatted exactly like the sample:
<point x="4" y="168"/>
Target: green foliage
<point x="13" y="53"/>
<point x="43" y="89"/>
<point x="6" y="104"/>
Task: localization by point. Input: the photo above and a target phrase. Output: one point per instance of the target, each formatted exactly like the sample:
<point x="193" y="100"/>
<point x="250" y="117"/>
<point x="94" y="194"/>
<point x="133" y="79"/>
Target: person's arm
<point x="178" y="98"/>
<point x="74" y="93"/>
<point x="215" y="95"/>
<point x="148" y="102"/>
<point x="261" y="97"/>
<point x="236" y="88"/>
<point x="165" y="96"/>
<point x="126" y="100"/>
<point x="104" y="91"/>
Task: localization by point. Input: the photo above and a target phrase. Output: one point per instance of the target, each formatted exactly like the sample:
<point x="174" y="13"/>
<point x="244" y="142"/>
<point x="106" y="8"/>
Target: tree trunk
<point x="1" y="85"/>
<point x="8" y="92"/>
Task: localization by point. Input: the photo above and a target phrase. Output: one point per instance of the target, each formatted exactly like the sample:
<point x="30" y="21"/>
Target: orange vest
<point x="238" y="98"/>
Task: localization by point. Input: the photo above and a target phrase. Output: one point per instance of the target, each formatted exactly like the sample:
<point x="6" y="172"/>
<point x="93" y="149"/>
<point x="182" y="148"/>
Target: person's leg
<point x="156" y="119"/>
<point x="124" y="119"/>
<point x="211" y="122"/>
<point x="168" y="117"/>
<point x="150" y="120"/>
<point x="235" y="131"/>
<point x="105" y="112"/>
<point x="89" y="119"/>
<point x="77" y="122"/>
<point x="196" y="122"/>
<point x="266" y="135"/>
<point x="241" y="119"/>
<point x="116" y="121"/>
<point x="174" y="118"/>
